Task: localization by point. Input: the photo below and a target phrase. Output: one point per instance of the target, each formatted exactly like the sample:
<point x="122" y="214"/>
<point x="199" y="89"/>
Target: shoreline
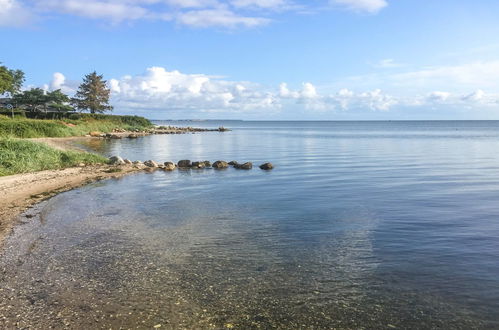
<point x="19" y="192"/>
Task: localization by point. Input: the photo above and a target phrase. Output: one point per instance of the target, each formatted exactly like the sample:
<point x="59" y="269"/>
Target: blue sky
<point x="265" y="59"/>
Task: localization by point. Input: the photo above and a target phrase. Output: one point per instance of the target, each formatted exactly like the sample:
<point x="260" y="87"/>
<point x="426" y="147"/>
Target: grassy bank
<point x="75" y="125"/>
<point x="19" y="156"/>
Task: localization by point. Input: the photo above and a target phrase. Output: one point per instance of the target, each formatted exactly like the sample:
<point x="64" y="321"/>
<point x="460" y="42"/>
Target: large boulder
<point x="169" y="166"/>
<point x="244" y="166"/>
<point x="219" y="164"/>
<point x="151" y="163"/>
<point x="267" y="166"/>
<point x="116" y="160"/>
<point x="184" y="163"/>
<point x="197" y="165"/>
<point x="207" y="163"/>
<point x="233" y="163"/>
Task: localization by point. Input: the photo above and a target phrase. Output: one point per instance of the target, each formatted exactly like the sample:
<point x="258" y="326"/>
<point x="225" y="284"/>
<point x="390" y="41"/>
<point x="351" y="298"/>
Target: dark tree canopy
<point x="92" y="95"/>
<point x="36" y="99"/>
<point x="11" y="81"/>
<point x="33" y="99"/>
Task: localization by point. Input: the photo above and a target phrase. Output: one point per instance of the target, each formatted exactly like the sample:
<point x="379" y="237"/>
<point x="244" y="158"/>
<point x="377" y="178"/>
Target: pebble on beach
<point x="116" y="160"/>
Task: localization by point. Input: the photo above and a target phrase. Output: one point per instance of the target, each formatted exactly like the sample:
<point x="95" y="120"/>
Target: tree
<point x="18" y="80"/>
<point x="92" y="95"/>
<point x="5" y="80"/>
<point x="58" y="101"/>
<point x="33" y="99"/>
<point x="11" y="81"/>
<point x="36" y="99"/>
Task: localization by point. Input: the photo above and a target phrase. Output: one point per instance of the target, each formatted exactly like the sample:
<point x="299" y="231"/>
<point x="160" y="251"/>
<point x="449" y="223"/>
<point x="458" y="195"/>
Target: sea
<point x="360" y="225"/>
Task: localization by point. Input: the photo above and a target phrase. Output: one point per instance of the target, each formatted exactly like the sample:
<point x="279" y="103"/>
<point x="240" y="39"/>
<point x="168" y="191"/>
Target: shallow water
<point x="361" y="225"/>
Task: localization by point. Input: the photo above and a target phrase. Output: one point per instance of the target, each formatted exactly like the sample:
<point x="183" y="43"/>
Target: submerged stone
<point x="169" y="166"/>
<point x="184" y="163"/>
<point x="197" y="165"/>
<point x="244" y="166"/>
<point x="267" y="166"/>
<point x="150" y="163"/>
<point x="219" y="164"/>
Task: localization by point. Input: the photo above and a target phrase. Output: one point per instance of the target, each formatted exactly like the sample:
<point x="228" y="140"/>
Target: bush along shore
<point x="22" y="156"/>
<point x="187" y="164"/>
<point x="74" y="125"/>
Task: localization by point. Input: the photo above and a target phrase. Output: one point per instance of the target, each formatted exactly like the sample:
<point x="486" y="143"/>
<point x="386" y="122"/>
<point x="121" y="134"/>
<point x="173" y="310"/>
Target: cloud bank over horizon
<point x="164" y="92"/>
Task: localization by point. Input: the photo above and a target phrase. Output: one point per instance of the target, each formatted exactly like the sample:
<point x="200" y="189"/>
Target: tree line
<point x="92" y="95"/>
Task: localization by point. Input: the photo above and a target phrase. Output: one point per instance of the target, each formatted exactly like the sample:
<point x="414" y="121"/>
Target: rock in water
<point x="133" y="136"/>
<point x="233" y="163"/>
<point x="197" y="165"/>
<point x="127" y="161"/>
<point x="267" y="166"/>
<point x="169" y="166"/>
<point x="245" y="166"/>
<point x="207" y="163"/>
<point x="219" y="164"/>
<point x="116" y="160"/>
<point x="184" y="163"/>
<point x="150" y="163"/>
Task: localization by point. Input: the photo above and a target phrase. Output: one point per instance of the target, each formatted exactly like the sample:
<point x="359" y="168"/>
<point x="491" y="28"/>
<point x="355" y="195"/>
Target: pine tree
<point x="92" y="95"/>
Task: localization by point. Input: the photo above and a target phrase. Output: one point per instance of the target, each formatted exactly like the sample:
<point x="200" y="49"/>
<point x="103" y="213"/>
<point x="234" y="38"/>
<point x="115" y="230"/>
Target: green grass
<point x="20" y="156"/>
<point x="78" y="126"/>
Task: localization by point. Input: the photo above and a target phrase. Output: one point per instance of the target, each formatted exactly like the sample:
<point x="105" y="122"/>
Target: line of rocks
<point x="120" y="133"/>
<point x="187" y="164"/>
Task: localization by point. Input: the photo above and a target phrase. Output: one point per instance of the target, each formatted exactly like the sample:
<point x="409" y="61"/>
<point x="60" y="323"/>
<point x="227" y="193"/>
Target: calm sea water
<point x="360" y="225"/>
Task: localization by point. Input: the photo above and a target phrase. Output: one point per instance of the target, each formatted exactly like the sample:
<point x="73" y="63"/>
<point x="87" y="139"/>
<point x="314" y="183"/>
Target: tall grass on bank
<point x="20" y="127"/>
<point x="20" y="156"/>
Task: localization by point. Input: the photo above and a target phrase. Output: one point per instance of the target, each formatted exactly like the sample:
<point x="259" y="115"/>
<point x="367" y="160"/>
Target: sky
<point x="265" y="59"/>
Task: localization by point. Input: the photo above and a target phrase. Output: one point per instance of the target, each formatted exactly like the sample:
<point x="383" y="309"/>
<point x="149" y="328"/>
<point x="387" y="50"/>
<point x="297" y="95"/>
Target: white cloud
<point x="195" y="13"/>
<point x="13" y="13"/>
<point x="166" y="90"/>
<point x="114" y="11"/>
<point x="369" y="6"/>
<point x="218" y="17"/>
<point x="476" y="96"/>
<point x="438" y="96"/>
<point x="260" y="3"/>
<point x="58" y="80"/>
